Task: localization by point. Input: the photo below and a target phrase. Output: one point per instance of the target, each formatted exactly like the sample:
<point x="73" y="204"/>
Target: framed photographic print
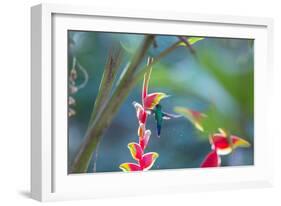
<point x="146" y="100"/>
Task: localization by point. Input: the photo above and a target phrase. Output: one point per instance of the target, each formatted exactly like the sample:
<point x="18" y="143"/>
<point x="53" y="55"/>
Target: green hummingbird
<point x="160" y="115"/>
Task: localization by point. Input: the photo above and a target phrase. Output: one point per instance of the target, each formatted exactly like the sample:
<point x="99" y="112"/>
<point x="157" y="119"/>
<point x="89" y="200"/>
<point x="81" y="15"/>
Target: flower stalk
<point x="144" y="160"/>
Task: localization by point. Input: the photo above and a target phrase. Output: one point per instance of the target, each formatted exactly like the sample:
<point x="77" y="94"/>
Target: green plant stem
<point x="164" y="53"/>
<point x="188" y="45"/>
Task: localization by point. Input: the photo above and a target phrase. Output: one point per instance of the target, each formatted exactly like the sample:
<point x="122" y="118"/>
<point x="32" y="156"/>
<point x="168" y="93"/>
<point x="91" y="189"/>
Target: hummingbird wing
<point x="170" y="116"/>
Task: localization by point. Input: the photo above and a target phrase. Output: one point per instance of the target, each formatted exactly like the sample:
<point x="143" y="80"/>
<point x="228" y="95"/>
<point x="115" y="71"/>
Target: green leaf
<point x="239" y="85"/>
<point x="191" y="41"/>
<point x="113" y="63"/>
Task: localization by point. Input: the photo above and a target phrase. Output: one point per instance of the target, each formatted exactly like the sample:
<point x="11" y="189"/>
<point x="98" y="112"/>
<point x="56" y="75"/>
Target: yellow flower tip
<point x="124" y="167"/>
<point x="242" y="143"/>
<point x="247" y="144"/>
<point x="155" y="155"/>
<point x="132" y="148"/>
<point x="130" y="145"/>
<point x="193" y="116"/>
<point x="222" y="131"/>
<point x="160" y="96"/>
<point x="199" y="127"/>
<point x="163" y="95"/>
<point x="239" y="142"/>
<point x="135" y="150"/>
<point x="204" y="115"/>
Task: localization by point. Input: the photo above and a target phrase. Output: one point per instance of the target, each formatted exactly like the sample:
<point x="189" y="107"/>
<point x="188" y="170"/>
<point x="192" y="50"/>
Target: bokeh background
<point x="218" y="80"/>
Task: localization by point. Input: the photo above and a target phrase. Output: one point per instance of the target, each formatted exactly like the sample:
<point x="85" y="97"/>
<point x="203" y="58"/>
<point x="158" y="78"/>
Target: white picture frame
<point x="49" y="178"/>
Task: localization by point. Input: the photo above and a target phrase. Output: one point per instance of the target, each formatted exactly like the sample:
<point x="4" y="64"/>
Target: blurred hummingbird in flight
<point x="160" y="115"/>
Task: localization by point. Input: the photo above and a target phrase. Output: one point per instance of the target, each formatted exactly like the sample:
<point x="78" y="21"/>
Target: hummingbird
<point x="160" y="115"/>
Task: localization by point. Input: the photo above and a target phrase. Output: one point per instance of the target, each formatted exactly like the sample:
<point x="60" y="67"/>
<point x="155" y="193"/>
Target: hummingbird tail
<point x="158" y="130"/>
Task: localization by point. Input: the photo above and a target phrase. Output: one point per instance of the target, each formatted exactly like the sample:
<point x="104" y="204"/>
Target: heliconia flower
<point x="194" y="117"/>
<point x="148" y="160"/>
<point x="225" y="144"/>
<point x="143" y="140"/>
<point x="129" y="167"/>
<point x="141" y="114"/>
<point x="222" y="144"/>
<point x="145" y="163"/>
<point x="136" y="150"/>
<point x="211" y="160"/>
<point x="151" y="100"/>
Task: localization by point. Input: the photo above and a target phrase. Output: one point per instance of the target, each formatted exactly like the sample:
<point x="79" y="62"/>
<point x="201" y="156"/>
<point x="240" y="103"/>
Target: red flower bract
<point x="136" y="150"/>
<point x="148" y="160"/>
<point x="145" y="160"/>
<point x="151" y="100"/>
<point x="211" y="160"/>
<point x="141" y="114"/>
<point x="222" y="144"/>
<point x="144" y="139"/>
<point x="128" y="167"/>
